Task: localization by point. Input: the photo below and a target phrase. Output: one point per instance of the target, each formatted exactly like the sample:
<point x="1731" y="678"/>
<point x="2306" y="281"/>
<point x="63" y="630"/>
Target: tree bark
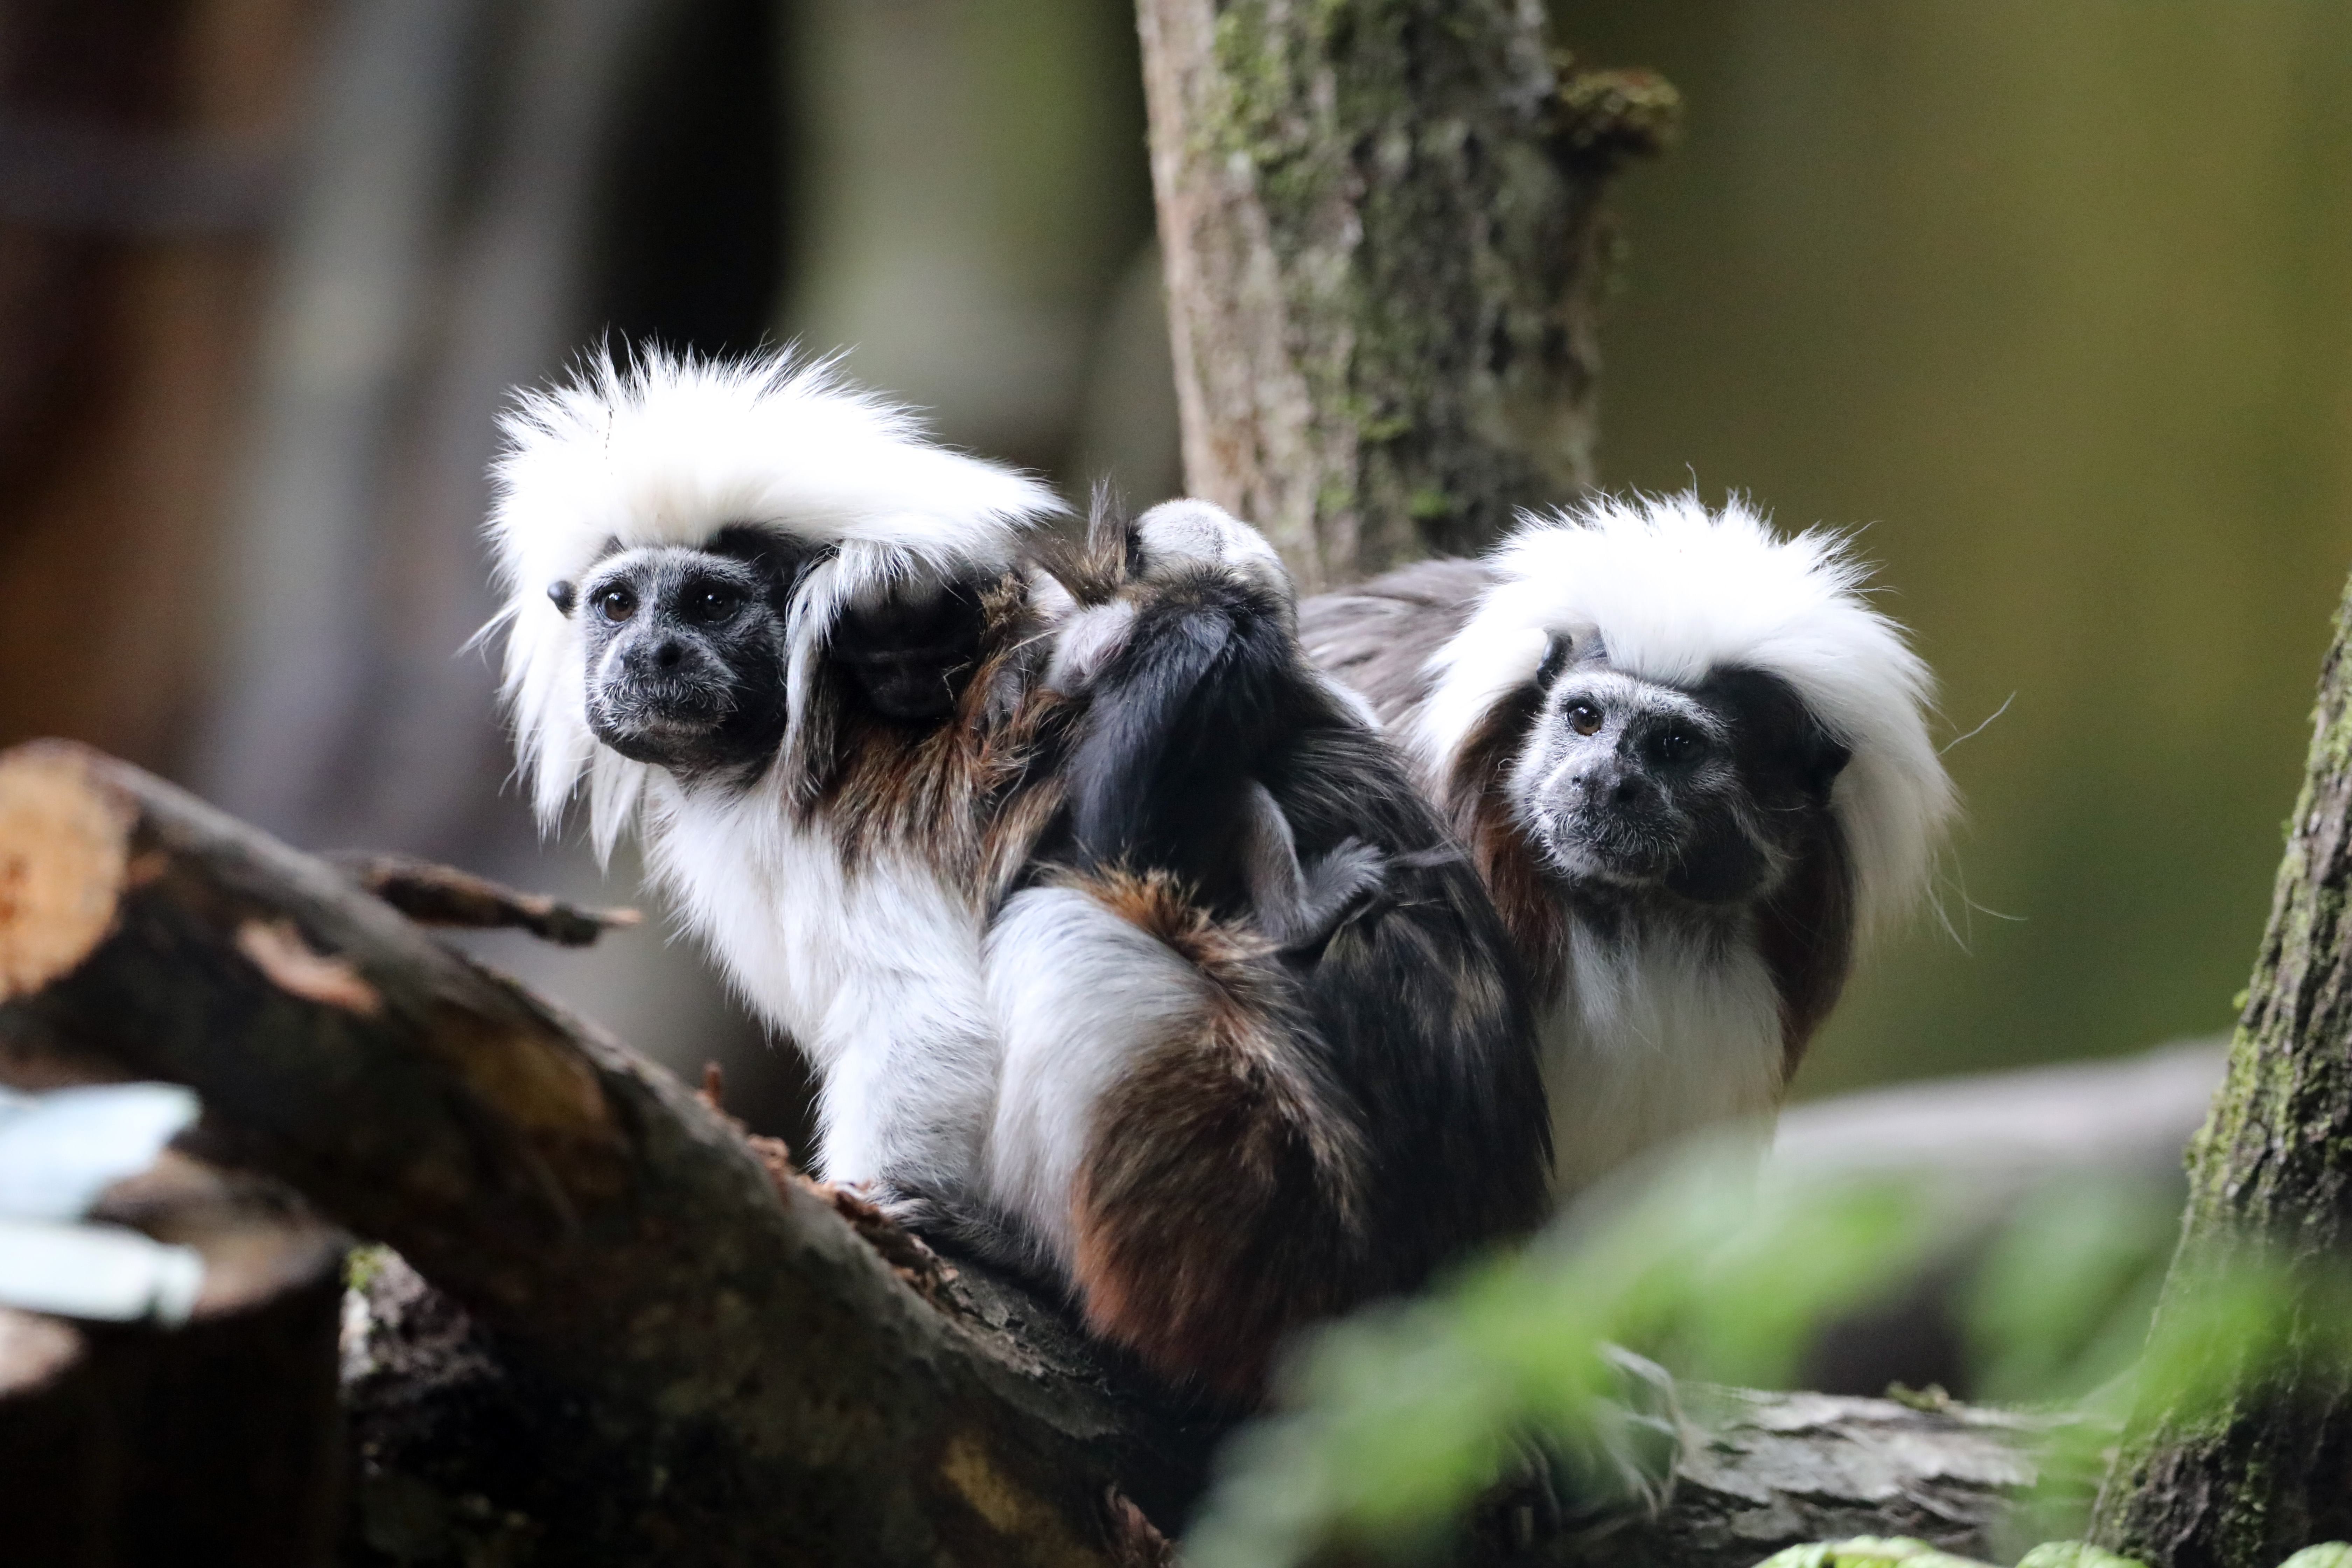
<point x="1764" y="1472"/>
<point x="2270" y="1179"/>
<point x="1385" y="255"/>
<point x="441" y="1421"/>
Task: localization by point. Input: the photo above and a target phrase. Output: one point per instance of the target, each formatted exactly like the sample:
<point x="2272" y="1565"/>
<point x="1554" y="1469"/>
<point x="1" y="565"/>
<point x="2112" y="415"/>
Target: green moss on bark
<point x="2271" y="1174"/>
<point x="1386" y="254"/>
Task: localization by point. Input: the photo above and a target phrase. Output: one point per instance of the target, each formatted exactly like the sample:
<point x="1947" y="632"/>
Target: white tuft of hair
<point x="1675" y="592"/>
<point x="669" y="451"/>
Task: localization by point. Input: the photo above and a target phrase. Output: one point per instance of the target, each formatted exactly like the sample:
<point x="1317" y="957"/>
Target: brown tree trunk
<point x="1385" y="255"/>
<point x="142" y="147"/>
<point x="2270" y="1179"/>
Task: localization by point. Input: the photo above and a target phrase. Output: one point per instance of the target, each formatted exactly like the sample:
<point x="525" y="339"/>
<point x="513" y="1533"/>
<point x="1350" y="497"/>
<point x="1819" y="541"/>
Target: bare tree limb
<point x="1761" y="1471"/>
<point x="434" y="895"/>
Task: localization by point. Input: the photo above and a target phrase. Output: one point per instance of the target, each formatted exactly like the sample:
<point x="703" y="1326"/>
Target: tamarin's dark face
<point x="686" y="650"/>
<point x="1706" y="792"/>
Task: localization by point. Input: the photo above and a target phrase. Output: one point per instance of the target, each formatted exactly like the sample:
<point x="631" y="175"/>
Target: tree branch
<point x="637" y="1342"/>
<point x="434" y="895"/>
<point x="743" y="1373"/>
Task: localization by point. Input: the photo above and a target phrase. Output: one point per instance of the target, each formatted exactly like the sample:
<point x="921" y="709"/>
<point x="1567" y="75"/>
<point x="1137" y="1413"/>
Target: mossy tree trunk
<point x="1385" y="254"/>
<point x="2270" y="1179"/>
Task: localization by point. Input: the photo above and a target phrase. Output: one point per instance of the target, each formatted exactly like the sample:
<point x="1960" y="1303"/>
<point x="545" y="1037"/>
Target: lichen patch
<point x="1008" y="1508"/>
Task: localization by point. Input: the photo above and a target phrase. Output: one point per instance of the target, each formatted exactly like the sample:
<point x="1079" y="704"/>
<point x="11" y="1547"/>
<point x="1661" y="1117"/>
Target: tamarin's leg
<point x="1297" y="905"/>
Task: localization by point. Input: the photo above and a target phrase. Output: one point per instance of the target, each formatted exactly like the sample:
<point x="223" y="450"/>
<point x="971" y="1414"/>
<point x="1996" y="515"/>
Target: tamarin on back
<point x="1122" y="946"/>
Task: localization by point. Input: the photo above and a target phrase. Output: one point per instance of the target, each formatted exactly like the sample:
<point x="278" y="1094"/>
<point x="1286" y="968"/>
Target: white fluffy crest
<point x="669" y="452"/>
<point x="1675" y="592"/>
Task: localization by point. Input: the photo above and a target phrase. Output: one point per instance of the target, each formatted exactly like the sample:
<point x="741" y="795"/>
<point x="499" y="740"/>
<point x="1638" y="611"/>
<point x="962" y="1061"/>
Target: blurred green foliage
<point x="1395" y="1421"/>
<point x="2064" y="1295"/>
<point x="1864" y="1552"/>
<point x="1867" y="1552"/>
<point x="2054" y="299"/>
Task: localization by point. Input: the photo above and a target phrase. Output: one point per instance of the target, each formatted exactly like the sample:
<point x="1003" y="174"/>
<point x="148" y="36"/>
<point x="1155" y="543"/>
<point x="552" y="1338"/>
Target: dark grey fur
<point x="1378" y="638"/>
<point x="685" y="656"/>
<point x="1707" y="794"/>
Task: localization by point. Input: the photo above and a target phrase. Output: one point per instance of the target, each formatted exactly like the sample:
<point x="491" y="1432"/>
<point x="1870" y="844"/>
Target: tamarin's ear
<point x="1555" y="660"/>
<point x="1829" y="760"/>
<point x="564" y="595"/>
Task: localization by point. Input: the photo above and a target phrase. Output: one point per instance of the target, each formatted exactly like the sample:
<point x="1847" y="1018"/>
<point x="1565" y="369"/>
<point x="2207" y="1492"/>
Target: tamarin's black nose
<point x="1613" y="787"/>
<point x="668" y="654"/>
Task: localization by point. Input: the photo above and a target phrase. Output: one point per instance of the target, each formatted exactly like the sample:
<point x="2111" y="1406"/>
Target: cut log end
<point x="65" y="859"/>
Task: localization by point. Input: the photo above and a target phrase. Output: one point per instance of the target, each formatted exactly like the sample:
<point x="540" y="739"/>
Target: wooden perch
<point x="1761" y="1471"/>
<point x="744" y="1375"/>
<point x="637" y="1345"/>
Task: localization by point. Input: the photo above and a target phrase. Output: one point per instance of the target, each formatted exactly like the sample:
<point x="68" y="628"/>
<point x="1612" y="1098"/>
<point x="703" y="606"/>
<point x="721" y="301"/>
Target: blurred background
<point x="2055" y="301"/>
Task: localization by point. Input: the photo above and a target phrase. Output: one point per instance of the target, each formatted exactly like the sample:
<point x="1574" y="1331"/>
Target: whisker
<point x="1980" y="728"/>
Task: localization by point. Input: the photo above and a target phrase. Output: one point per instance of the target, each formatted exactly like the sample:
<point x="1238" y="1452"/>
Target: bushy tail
<point x="1220" y="1202"/>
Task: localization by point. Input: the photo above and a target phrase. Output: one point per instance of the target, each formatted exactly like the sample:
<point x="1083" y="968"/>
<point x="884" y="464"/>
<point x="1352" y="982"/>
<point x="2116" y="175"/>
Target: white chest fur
<point x="873" y="970"/>
<point x="1653" y="1037"/>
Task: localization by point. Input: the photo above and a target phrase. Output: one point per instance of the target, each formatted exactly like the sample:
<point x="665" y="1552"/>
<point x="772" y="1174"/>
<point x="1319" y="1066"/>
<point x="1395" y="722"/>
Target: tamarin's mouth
<point x="1609" y="849"/>
<point x="657" y="704"/>
<point x="662" y="723"/>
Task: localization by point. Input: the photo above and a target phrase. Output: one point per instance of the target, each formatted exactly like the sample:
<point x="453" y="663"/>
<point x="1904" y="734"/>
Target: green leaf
<point x="2073" y="1555"/>
<point x="1867" y="1552"/>
<point x="2328" y="1554"/>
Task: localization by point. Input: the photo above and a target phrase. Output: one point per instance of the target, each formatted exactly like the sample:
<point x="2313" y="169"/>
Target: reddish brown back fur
<point x="1219" y="1205"/>
<point x="1805" y="932"/>
<point x="1094" y="568"/>
<point x="1475" y="796"/>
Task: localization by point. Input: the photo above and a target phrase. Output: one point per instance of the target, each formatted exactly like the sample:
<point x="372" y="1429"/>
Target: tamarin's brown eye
<point x="1677" y="745"/>
<point x="617" y="604"/>
<point x="1583" y="717"/>
<point x="711" y="605"/>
